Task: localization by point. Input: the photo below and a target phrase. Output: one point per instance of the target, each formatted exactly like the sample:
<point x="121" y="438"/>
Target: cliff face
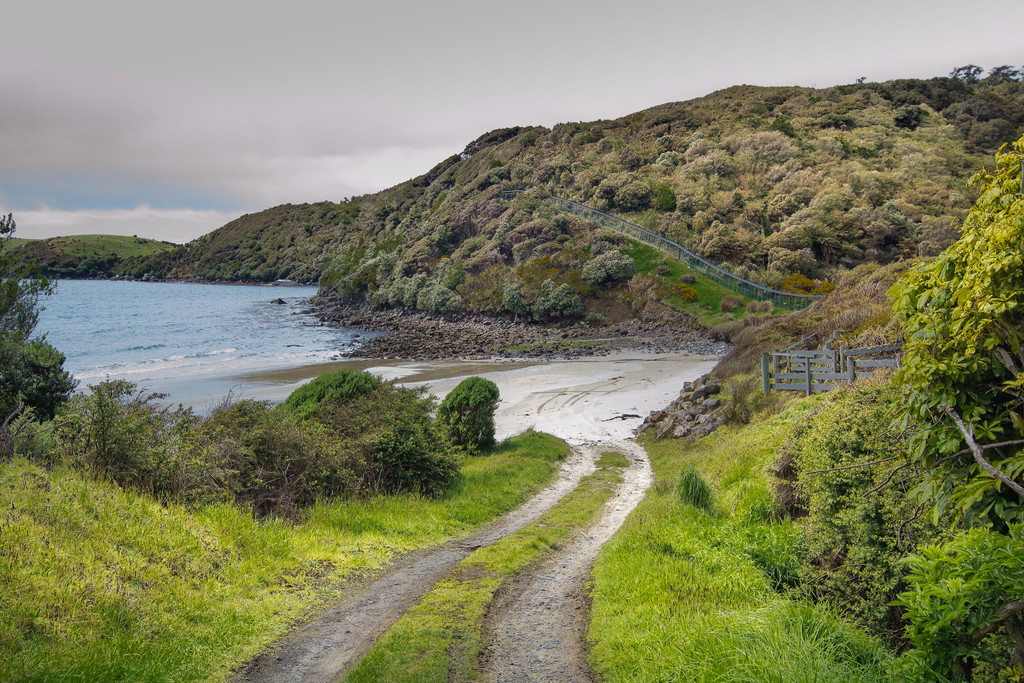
<point x="780" y="184"/>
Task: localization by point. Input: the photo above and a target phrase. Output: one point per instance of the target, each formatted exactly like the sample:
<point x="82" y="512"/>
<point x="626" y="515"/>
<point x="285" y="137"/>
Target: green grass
<point x="706" y="587"/>
<point x="98" y="583"/>
<point x="84" y="246"/>
<point x="707" y="307"/>
<point x="440" y="639"/>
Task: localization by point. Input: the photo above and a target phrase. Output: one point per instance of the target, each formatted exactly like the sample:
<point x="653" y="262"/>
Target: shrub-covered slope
<point x="771" y="182"/>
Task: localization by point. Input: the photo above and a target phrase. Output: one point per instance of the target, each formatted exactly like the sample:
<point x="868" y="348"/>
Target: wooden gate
<point x="793" y="369"/>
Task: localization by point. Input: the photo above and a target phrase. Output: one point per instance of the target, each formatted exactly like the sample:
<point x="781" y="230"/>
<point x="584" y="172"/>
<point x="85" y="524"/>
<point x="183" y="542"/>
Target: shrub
<point x="860" y="521"/>
<point x="957" y="602"/>
<point x="467" y="413"/>
<point x="665" y="199"/>
<point x="730" y="303"/>
<point x="634" y="196"/>
<point x="118" y="432"/>
<point x="333" y="386"/>
<point x="391" y="442"/>
<point x="677" y="290"/>
<point x="608" y="268"/>
<point x="694" y="490"/>
<point x="263" y="450"/>
<point x="688" y="279"/>
<point x="32" y="374"/>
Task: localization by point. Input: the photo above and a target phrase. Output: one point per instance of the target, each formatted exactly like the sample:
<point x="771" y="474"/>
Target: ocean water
<point x="190" y="341"/>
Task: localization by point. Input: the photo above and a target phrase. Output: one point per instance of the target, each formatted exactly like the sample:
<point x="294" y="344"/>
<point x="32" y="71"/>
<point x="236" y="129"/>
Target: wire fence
<point x="709" y="270"/>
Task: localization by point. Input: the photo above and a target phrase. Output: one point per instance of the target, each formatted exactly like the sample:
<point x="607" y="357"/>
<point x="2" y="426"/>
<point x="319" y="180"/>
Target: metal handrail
<point x="709" y="270"/>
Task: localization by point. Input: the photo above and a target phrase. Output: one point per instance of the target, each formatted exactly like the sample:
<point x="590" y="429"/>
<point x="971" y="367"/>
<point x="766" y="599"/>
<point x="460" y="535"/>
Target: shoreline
<point x="579" y="400"/>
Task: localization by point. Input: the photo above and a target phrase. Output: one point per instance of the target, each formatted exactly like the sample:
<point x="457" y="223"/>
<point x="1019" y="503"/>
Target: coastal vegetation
<point x="33" y="382"/>
<point x="874" y="533"/>
<point x="790" y="187"/>
<point x="89" y="256"/>
<point x="102" y="582"/>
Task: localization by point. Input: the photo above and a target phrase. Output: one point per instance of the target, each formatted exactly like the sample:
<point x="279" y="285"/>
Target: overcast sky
<point x="169" y="119"/>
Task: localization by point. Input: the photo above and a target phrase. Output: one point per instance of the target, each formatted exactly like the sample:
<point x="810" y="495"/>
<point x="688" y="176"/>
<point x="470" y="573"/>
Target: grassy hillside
<point x="103" y="583"/>
<point x="773" y="183"/>
<point x="89" y="255"/>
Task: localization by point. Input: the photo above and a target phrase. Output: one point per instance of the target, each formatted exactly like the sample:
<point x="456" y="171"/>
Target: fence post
<point x="807" y="370"/>
<point x="765" y="381"/>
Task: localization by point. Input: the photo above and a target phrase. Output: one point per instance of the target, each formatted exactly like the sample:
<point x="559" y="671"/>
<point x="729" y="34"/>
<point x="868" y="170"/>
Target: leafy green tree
<point x="969" y="73"/>
<point x="665" y="199"/>
<point x="32" y="372"/>
<point x="963" y="601"/>
<point x="1004" y="73"/>
<point x="20" y="289"/>
<point x="963" y="317"/>
<point x="467" y="413"/>
<point x="512" y="300"/>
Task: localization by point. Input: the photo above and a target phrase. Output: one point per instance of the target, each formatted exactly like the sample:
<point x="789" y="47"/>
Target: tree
<point x="32" y="375"/>
<point x="962" y="315"/>
<point x="467" y="413"/>
<point x="963" y="318"/>
<point x="20" y="288"/>
<point x="969" y="73"/>
<point x="1004" y="73"/>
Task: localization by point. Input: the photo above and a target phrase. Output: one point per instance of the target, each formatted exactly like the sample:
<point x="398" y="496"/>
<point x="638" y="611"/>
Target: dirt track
<point x="537" y="626"/>
<point x="325" y="649"/>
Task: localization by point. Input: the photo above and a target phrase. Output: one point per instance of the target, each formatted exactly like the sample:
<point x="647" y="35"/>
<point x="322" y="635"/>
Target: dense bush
<point x="467" y="413"/>
<point x="333" y="386"/>
<point x="860" y="523"/>
<point x="963" y="384"/>
<point x="348" y="435"/>
<point x="730" y="303"/>
<point x="608" y="268"/>
<point x="118" y="432"/>
<point x="32" y="375"/>
<point x="391" y="443"/>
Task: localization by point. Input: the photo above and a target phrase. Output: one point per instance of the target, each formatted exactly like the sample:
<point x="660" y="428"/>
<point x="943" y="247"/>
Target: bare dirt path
<point x="328" y="647"/>
<point x="537" y="626"/>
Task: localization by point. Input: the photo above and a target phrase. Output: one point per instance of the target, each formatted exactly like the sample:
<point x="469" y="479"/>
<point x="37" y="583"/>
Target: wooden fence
<point x="794" y="369"/>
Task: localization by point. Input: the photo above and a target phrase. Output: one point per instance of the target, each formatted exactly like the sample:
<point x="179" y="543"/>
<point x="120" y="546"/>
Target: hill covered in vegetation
<point x="84" y="256"/>
<point x="777" y="184"/>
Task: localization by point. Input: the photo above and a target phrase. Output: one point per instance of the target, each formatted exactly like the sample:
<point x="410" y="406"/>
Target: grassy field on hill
<point x="78" y="256"/>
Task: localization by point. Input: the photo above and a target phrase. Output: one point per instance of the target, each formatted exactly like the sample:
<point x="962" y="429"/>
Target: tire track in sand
<point x="537" y="626"/>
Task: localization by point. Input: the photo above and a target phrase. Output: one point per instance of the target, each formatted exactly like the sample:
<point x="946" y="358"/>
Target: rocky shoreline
<point x="416" y="335"/>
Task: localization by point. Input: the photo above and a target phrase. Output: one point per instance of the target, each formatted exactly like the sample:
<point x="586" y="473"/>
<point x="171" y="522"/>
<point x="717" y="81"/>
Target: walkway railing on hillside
<point x="698" y="263"/>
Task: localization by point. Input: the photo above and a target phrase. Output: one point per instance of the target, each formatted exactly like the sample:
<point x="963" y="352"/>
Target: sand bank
<point x="578" y="400"/>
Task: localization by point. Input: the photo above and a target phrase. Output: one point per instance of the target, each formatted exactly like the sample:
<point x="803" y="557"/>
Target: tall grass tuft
<point x="693" y="490"/>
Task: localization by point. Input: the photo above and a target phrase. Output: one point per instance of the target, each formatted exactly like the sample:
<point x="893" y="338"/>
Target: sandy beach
<point x="578" y="400"/>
